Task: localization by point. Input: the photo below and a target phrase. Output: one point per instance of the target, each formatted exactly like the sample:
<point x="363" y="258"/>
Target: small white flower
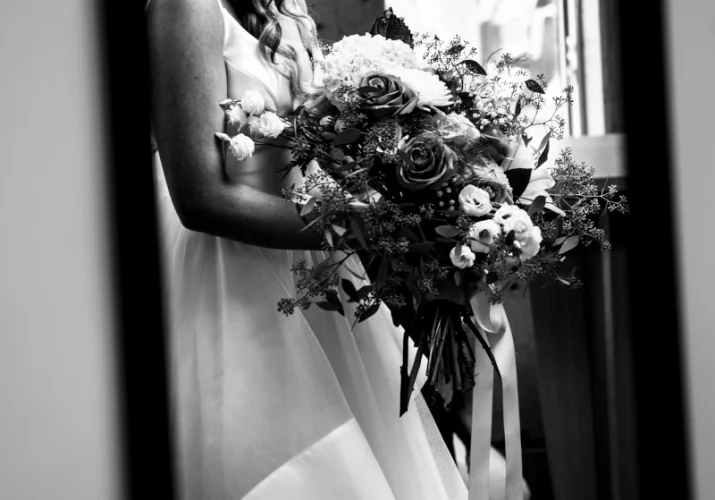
<point x="267" y="125"/>
<point x="242" y="147"/>
<point x="253" y="102"/>
<point x="464" y="259"/>
<point x="482" y="235"/>
<point x="236" y="116"/>
<point x="513" y="218"/>
<point x="474" y="201"/>
<point x="532" y="245"/>
<point x="339" y="126"/>
<point x="505" y="212"/>
<point x="326" y="121"/>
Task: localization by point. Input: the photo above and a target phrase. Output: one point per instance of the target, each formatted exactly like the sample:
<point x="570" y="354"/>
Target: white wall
<point x="691" y="30"/>
<point x="57" y="398"/>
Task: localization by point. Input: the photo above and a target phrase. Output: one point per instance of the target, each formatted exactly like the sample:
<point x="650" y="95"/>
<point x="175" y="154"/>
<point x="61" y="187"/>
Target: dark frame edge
<point x="147" y="459"/>
<point x="659" y="376"/>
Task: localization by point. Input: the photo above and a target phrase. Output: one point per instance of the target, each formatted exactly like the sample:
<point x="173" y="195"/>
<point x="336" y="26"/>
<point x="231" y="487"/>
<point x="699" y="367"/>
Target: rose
<point x="474" y="201"/>
<point x="513" y="218"/>
<point x="505" y="212"/>
<point x="527" y="237"/>
<point x="492" y="179"/>
<point x="457" y="128"/>
<point x="242" y="147"/>
<point x="267" y="125"/>
<point x="236" y="116"/>
<point x="462" y="257"/>
<point x="253" y="102"/>
<point x="387" y="98"/>
<point x="531" y="246"/>
<point x="426" y="162"/>
<point x="522" y="226"/>
<point x="482" y="234"/>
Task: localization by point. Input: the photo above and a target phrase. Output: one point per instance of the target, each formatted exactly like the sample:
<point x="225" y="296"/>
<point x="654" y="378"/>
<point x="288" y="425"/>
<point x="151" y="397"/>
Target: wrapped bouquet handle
<point x="494" y="328"/>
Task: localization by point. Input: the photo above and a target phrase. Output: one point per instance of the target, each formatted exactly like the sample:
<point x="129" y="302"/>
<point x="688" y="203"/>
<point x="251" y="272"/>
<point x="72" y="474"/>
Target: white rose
<point x="505" y="212"/>
<point x="474" y="201"/>
<point x="465" y="258"/>
<point x="236" y="116"/>
<point x="482" y="235"/>
<point x="517" y="220"/>
<point x="267" y="125"/>
<point x="242" y="147"/>
<point x="531" y="246"/>
<point x="253" y="102"/>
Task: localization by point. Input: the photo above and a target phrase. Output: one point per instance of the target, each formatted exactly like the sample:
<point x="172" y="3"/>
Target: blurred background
<point x="59" y="399"/>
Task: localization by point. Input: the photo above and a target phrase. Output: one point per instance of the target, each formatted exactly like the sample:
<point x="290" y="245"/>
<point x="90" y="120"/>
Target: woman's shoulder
<point x="193" y="18"/>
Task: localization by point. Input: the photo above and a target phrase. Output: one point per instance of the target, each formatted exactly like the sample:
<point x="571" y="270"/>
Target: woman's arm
<point x="188" y="82"/>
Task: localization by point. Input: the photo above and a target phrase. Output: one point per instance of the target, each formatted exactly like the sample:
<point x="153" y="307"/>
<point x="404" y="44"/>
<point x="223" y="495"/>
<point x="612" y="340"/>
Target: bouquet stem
<point x="440" y="331"/>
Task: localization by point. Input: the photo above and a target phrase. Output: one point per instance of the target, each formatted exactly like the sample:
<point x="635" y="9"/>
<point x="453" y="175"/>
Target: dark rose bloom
<point x="425" y="162"/>
<point x="390" y="95"/>
<point x="491" y="178"/>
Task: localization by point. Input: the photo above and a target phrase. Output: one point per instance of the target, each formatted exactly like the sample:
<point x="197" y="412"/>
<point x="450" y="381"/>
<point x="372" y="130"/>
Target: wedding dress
<point x="267" y="406"/>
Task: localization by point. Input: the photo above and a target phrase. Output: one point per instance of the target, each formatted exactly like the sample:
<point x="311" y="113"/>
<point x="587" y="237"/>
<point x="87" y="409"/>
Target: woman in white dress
<point x="265" y="406"/>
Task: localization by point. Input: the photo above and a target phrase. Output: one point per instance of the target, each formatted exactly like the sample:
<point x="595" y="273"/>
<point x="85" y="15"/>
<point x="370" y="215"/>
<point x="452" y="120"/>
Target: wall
<point x="338" y="18"/>
<point x="691" y="42"/>
<point x="58" y="402"/>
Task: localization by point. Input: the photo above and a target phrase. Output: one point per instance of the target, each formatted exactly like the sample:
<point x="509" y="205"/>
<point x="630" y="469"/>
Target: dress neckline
<point x="230" y="14"/>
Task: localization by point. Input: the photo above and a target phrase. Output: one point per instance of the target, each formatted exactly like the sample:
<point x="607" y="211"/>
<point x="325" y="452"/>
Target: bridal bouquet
<point x="430" y="173"/>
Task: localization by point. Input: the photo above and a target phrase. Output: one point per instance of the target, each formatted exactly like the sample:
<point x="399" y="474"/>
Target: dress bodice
<point x="247" y="69"/>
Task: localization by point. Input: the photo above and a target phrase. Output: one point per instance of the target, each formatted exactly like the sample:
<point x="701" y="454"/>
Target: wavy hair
<point x="261" y="19"/>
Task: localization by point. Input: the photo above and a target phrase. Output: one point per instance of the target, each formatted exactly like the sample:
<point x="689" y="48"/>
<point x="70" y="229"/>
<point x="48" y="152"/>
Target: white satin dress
<point x="267" y="406"/>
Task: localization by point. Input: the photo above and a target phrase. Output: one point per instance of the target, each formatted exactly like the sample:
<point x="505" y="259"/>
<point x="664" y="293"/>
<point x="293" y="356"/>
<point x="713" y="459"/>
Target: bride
<point x="266" y="406"/>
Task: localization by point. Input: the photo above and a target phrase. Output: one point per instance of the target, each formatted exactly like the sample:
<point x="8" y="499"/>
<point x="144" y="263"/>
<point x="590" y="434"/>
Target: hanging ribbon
<point x="494" y="327"/>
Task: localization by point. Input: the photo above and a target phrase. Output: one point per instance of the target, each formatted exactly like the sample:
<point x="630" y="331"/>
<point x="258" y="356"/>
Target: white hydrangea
<point x="354" y="56"/>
